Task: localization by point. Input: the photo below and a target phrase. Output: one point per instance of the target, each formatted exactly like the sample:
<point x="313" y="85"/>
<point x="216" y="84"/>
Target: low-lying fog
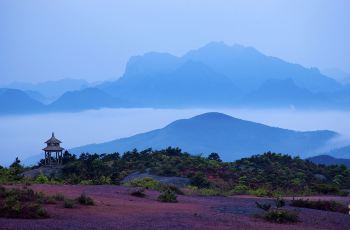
<point x="24" y="136"/>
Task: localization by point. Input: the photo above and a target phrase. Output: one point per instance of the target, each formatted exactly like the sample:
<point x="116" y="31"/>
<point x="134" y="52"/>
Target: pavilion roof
<point x="53" y="148"/>
<point x="53" y="140"/>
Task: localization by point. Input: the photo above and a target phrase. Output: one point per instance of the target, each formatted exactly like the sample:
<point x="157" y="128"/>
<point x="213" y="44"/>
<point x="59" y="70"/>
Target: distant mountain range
<point x="214" y="75"/>
<point x="13" y="101"/>
<point x="191" y="84"/>
<point x="329" y="160"/>
<point x="343" y="152"/>
<point x="249" y="68"/>
<point x="338" y="75"/>
<point x="89" y="98"/>
<point x="223" y="75"/>
<point x="51" y="89"/>
<point x="232" y="138"/>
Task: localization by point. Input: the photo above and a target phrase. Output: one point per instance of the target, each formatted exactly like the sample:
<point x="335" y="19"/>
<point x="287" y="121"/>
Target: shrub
<point x="40" y="197"/>
<point x="214" y="157"/>
<point x="208" y="192"/>
<point x="193" y="190"/>
<point x="58" y="197"/>
<point x="41" y="179"/>
<point x="85" y="200"/>
<point x="22" y="203"/>
<point x="49" y="200"/>
<point x="104" y="180"/>
<point x="24" y="195"/>
<point x="13" y="208"/>
<point x="281" y="216"/>
<point x="11" y="205"/>
<point x="325" y="205"/>
<point x="240" y="190"/>
<point x="343" y="193"/>
<point x="326" y="189"/>
<point x="146" y="182"/>
<point x="27" y="182"/>
<point x="280" y="202"/>
<point x="86" y="182"/>
<point x="34" y="211"/>
<point x="277" y="214"/>
<point x="139" y="192"/>
<point x="68" y="203"/>
<point x="163" y="187"/>
<point x="265" y="207"/>
<point x="167" y="196"/>
<point x="199" y="180"/>
<point x="261" y="192"/>
<point x="2" y="191"/>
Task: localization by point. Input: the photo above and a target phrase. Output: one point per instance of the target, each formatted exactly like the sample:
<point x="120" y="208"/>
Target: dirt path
<point x="116" y="209"/>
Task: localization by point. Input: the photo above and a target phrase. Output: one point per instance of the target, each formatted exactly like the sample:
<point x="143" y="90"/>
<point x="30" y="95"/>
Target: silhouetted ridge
<point x="13" y="101"/>
<point x="216" y="132"/>
<point x="89" y="98"/>
<point x="329" y="160"/>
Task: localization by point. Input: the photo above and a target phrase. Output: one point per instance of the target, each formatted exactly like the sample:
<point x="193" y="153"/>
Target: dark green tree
<point x="214" y="157"/>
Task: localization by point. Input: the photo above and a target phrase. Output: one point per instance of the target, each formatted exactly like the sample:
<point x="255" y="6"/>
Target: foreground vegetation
<point x="22" y="203"/>
<point x="269" y="174"/>
<point x="25" y="203"/>
<point x="277" y="214"/>
<point x="324" y="205"/>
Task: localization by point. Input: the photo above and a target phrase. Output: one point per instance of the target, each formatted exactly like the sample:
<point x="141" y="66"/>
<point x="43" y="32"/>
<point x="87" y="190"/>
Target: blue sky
<point x="47" y="40"/>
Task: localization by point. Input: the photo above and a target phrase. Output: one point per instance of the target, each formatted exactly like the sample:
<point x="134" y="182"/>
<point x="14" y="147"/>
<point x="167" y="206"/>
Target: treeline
<point x="265" y="174"/>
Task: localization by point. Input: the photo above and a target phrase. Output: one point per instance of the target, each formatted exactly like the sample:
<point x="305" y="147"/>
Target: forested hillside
<point x="264" y="174"/>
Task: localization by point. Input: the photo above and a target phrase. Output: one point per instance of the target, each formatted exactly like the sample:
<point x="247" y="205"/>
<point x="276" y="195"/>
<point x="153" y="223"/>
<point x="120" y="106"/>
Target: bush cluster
<point x="325" y="205"/>
<point x="167" y="196"/>
<point x="281" y="216"/>
<point x="58" y="197"/>
<point x="85" y="200"/>
<point x="204" y="191"/>
<point x="139" y="192"/>
<point x="147" y="183"/>
<point x="68" y="203"/>
<point x="277" y="214"/>
<point x="41" y="179"/>
<point x="22" y="203"/>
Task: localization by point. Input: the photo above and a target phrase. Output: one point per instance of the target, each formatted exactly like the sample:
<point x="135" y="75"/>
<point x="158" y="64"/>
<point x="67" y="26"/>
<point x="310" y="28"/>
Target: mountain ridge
<point x="20" y="102"/>
<point x="342" y="152"/>
<point x="247" y="68"/>
<point x="216" y="132"/>
<point x="215" y="75"/>
<point x="88" y="98"/>
<point x="329" y="160"/>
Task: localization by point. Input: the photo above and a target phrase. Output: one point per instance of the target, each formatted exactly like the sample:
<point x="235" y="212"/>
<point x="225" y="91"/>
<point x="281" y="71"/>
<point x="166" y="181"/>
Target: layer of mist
<point x="24" y="136"/>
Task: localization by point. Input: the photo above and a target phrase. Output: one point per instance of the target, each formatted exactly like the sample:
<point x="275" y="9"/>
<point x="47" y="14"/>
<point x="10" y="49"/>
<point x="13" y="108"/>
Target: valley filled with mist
<point x="24" y="135"/>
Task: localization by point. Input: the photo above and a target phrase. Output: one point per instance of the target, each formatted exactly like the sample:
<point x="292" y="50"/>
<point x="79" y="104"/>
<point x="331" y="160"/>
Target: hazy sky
<point x="47" y="40"/>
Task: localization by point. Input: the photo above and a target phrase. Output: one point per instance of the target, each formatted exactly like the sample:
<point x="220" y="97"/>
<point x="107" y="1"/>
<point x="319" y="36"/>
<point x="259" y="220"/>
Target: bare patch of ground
<point x="116" y="209"/>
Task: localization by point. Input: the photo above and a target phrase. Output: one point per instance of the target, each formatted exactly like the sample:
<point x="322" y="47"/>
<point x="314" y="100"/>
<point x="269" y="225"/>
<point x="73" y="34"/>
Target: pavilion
<point x="53" y="146"/>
